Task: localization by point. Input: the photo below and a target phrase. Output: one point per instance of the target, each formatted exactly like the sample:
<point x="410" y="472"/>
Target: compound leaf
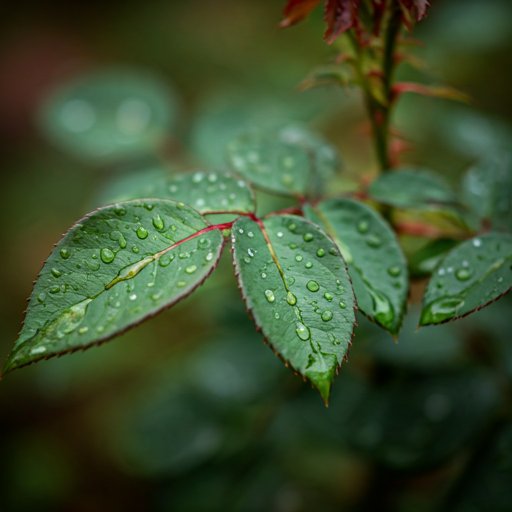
<point x="413" y="189"/>
<point x="284" y="161"/>
<point x="374" y="258"/>
<point x="112" y="270"/>
<point x="207" y="192"/>
<point x="474" y="274"/>
<point x="298" y="290"/>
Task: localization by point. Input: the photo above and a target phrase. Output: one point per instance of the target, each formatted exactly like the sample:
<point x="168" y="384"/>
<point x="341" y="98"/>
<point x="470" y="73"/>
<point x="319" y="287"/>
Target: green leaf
<point x="474" y="274"/>
<point x="112" y="270"/>
<point x="487" y="189"/>
<point x="298" y="290"/>
<point x="424" y="261"/>
<point x="283" y="161"/>
<point x="375" y="261"/>
<point x="414" y="189"/>
<point x="109" y="114"/>
<point x="207" y="192"/>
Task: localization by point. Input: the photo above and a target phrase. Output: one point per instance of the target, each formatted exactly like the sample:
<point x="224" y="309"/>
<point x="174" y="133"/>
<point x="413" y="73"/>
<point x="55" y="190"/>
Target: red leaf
<point x="340" y="15"/>
<point x="417" y="8"/>
<point x="297" y="10"/>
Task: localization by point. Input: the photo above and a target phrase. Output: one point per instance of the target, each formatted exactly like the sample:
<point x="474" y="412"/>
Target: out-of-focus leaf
<point x="487" y="188"/>
<point x="206" y="192"/>
<point x="374" y="258"/>
<point x="413" y="10"/>
<point x="112" y="270"/>
<point x="423" y="262"/>
<point x="329" y="75"/>
<point x="297" y="288"/>
<point x="283" y="161"/>
<point x="414" y="189"/>
<point x="297" y="10"/>
<point x="474" y="274"/>
<point x="109" y="114"/>
<point x="340" y="15"/>
<point x="434" y="91"/>
<point x="487" y="483"/>
<point x="420" y="424"/>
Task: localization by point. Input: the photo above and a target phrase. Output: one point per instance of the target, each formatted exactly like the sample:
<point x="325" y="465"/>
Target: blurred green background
<point x="191" y="411"/>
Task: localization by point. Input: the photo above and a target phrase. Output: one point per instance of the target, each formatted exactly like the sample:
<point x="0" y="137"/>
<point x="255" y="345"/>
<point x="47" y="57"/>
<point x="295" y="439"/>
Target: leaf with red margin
<point x="296" y="285"/>
<point x="297" y="10"/>
<point x="117" y="267"/>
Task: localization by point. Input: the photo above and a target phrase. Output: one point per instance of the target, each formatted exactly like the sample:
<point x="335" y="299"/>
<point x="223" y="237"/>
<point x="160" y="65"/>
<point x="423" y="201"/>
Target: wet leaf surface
<point x="204" y="191"/>
<point x="298" y="290"/>
<point x="112" y="270"/>
<point x="474" y="274"/>
<point x="375" y="261"/>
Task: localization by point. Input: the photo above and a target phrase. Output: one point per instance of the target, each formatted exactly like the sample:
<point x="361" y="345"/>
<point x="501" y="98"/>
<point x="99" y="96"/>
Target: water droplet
<point x="292" y="227"/>
<point x="287" y="179"/>
<point x="342" y="305"/>
<point x="65" y="254"/>
<point x="441" y="309"/>
<point x="276" y="315"/>
<point x="463" y="274"/>
<point x="142" y="232"/>
<point x="119" y="210"/>
<point x="327" y="315"/>
<point x="183" y="255"/>
<point x="191" y="269"/>
<point x="38" y="350"/>
<point x="107" y="256"/>
<point x="93" y="266"/>
<point x="363" y="226"/>
<point x="279" y="234"/>
<point x="197" y="177"/>
<point x="441" y="271"/>
<point x="250" y="252"/>
<point x="83" y="330"/>
<point x="312" y="286"/>
<point x="158" y="222"/>
<point x="308" y="264"/>
<point x="289" y="280"/>
<point x="250" y="234"/>
<point x="477" y="242"/>
<point x="247" y="259"/>
<point x="173" y="189"/>
<point x="270" y="295"/>
<point x="394" y="271"/>
<point x="56" y="272"/>
<point x="41" y="297"/>
<point x="263" y="275"/>
<point x="299" y="258"/>
<point x="181" y="284"/>
<point x="291" y="299"/>
<point x="308" y="237"/>
<point x="328" y="296"/>
<point x="94" y="256"/>
<point x="320" y="253"/>
<point x="135" y="249"/>
<point x="118" y="237"/>
<point x="209" y="256"/>
<point x="302" y="331"/>
<point x="373" y="241"/>
<point x="133" y="296"/>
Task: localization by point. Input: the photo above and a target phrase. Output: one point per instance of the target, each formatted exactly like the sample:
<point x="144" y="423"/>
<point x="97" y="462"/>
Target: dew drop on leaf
<point x="327" y="315"/>
<point x="302" y="331"/>
<point x="308" y="237"/>
<point x="374" y="241"/>
<point x="65" y="254"/>
<point x="269" y="294"/>
<point x="107" y="256"/>
<point x="328" y="296"/>
<point x="181" y="284"/>
<point x="299" y="258"/>
<point x="56" y="272"/>
<point x="291" y="299"/>
<point x="158" y="222"/>
<point x="394" y="271"/>
<point x="363" y="226"/>
<point x="308" y="264"/>
<point x="342" y="305"/>
<point x="191" y="269"/>
<point x="312" y="286"/>
<point x="320" y="253"/>
<point x="142" y="232"/>
<point x="463" y="274"/>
